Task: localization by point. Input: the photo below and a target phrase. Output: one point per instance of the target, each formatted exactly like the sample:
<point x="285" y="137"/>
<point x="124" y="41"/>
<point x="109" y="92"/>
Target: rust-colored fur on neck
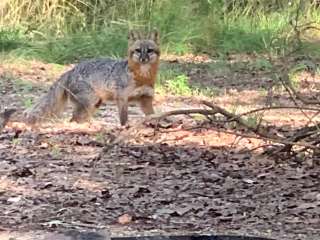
<point x="141" y="78"/>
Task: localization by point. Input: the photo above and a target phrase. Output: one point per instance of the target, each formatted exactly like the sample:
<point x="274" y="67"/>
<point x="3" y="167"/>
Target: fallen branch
<point x="293" y="92"/>
<point x="276" y="140"/>
<point x="209" y="112"/>
<point x="256" y="136"/>
<point x="279" y="108"/>
<point x="261" y="131"/>
<point x="180" y="112"/>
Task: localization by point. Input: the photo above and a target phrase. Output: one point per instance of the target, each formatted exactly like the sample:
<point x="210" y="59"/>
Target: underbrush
<point x="66" y="31"/>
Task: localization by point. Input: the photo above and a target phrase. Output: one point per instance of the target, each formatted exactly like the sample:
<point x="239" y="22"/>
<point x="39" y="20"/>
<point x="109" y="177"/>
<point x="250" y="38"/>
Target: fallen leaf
<point x="307" y="206"/>
<point x="249" y="181"/>
<point x="125" y="219"/>
<point x="14" y="199"/>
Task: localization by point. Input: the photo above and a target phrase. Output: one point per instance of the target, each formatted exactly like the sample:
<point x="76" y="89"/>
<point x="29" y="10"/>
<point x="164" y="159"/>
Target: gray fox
<point x="91" y="83"/>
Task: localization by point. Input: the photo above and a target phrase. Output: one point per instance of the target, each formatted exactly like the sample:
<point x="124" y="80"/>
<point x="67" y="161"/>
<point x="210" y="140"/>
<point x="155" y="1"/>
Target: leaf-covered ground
<point x="184" y="178"/>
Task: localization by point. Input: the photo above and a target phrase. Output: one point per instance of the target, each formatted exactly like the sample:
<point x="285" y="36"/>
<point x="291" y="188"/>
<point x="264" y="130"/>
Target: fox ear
<point x="133" y="36"/>
<point x="154" y="36"/>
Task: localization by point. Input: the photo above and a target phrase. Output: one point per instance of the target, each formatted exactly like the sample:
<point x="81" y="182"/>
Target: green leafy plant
<point x="179" y="85"/>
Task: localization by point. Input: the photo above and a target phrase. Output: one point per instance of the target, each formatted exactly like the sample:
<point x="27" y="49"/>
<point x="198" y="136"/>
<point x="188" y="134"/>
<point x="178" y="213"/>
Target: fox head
<point x="143" y="50"/>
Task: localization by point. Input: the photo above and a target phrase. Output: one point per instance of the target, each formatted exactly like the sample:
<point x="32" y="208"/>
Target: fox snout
<point x="142" y="55"/>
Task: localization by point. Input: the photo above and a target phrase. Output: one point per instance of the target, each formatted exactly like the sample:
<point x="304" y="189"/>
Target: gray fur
<point x="86" y="85"/>
<point x="93" y="82"/>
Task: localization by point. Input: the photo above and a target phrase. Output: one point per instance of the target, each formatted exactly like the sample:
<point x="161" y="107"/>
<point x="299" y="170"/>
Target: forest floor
<point x="188" y="177"/>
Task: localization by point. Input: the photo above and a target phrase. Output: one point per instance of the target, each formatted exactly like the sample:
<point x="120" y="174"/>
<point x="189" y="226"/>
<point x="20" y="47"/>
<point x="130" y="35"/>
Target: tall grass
<point x="66" y="30"/>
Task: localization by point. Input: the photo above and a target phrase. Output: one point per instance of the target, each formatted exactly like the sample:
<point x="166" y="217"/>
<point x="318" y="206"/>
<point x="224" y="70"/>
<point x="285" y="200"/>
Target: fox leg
<point x="146" y="105"/>
<point x="85" y="103"/>
<point x="82" y="114"/>
<point x="122" y="104"/>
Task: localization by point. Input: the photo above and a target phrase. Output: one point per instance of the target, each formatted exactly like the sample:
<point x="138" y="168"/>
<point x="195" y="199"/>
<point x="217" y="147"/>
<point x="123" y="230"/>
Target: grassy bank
<point x="63" y="31"/>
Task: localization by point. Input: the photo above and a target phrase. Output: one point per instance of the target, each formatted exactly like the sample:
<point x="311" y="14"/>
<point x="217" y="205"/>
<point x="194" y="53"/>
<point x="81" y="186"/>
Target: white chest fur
<point x="145" y="70"/>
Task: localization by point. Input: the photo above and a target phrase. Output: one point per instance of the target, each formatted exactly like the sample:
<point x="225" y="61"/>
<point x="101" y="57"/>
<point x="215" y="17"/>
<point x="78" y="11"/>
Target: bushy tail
<point x="51" y="104"/>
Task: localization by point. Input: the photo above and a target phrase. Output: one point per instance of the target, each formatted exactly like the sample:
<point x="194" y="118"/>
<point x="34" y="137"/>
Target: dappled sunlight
<point x="32" y="71"/>
<point x="186" y="58"/>
<point x="15" y="189"/>
<point x="60" y="127"/>
<point x="90" y="185"/>
<point x="205" y="138"/>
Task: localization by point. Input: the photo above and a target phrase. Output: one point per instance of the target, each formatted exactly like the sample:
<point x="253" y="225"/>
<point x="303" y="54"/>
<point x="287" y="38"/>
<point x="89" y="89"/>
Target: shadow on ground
<point x="62" y="180"/>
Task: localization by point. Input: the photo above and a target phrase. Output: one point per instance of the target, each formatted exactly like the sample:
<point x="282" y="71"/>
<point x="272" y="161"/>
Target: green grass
<point x="173" y="80"/>
<point x="262" y="64"/>
<point x="75" y="46"/>
<point x="220" y="67"/>
<point x="66" y="31"/>
<point x="11" y="39"/>
<point x="179" y="85"/>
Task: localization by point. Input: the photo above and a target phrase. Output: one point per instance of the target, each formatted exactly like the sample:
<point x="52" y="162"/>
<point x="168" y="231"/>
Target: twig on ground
<point x="181" y="112"/>
<point x="261" y="132"/>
